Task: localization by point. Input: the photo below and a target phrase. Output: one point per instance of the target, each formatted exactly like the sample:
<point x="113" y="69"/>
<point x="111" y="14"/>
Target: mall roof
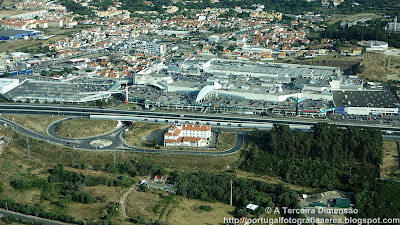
<point x="206" y="90"/>
<point x="378" y="99"/>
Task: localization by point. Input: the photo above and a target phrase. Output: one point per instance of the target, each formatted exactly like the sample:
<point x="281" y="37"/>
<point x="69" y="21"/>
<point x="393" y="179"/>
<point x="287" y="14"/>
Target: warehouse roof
<point x="12" y="32"/>
<point x="376" y="99"/>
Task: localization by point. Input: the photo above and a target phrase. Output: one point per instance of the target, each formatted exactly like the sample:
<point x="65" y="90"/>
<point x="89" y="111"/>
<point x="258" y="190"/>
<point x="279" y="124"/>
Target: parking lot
<point x="57" y="91"/>
<point x="385" y="119"/>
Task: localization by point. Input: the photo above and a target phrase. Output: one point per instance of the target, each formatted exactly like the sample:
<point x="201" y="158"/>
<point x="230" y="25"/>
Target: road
<point x="5" y="213"/>
<point x="116" y="136"/>
<point x="85" y="143"/>
<point x="117" y="142"/>
<point x="76" y="110"/>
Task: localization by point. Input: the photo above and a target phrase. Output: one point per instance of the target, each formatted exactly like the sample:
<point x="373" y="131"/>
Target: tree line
<point x="140" y="167"/>
<point x="37" y="210"/>
<point x="59" y="174"/>
<point x="12" y="219"/>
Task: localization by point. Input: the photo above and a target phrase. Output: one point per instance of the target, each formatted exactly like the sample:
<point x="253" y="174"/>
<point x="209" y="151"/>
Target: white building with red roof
<point x="187" y="135"/>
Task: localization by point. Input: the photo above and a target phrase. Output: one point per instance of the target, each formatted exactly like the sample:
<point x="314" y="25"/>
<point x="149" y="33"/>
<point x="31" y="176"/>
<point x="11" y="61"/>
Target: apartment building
<point x="187" y="135"/>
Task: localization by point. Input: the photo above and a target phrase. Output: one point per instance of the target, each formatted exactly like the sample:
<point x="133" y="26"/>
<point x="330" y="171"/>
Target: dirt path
<point x="122" y="202"/>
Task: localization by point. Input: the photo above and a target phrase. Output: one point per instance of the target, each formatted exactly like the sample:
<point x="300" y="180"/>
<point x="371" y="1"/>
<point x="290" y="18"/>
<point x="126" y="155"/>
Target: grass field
<point x="344" y="62"/>
<point x="272" y="180"/>
<point x="175" y="210"/>
<point x="8" y="3"/>
<point x="80" y="128"/>
<point x="195" y="163"/>
<point x="14" y="164"/>
<point x="34" y="44"/>
<point x="136" y="134"/>
<point x="226" y="140"/>
<point x="188" y="212"/>
<point x="35" y="123"/>
<point x="267" y="217"/>
<point x="351" y="17"/>
<point x="129" y="106"/>
<point x="390" y="166"/>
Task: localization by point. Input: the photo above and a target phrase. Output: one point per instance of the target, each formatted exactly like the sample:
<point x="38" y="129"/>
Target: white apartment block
<point x="187" y="135"/>
<point x="153" y="48"/>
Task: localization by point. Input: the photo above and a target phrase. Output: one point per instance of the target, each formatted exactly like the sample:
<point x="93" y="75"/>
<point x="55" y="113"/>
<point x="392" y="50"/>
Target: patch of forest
<point x="211" y="187"/>
<point x="324" y="158"/>
<point x="329" y="158"/>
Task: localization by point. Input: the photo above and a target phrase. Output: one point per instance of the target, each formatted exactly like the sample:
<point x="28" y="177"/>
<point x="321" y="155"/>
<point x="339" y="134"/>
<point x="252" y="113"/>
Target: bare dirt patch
<point x="378" y="67"/>
<point x="81" y="128"/>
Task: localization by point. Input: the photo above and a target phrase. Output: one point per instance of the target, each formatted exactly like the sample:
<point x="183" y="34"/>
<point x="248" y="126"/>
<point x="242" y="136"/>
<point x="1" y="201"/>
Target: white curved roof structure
<point x="203" y="92"/>
<point x="206" y="90"/>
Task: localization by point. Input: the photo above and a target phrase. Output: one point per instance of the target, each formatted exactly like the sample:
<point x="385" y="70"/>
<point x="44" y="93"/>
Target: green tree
<point x="231" y="48"/>
<point x="19" y="184"/>
<point x="220" y="48"/>
<point x="141" y="220"/>
<point x="155" y="142"/>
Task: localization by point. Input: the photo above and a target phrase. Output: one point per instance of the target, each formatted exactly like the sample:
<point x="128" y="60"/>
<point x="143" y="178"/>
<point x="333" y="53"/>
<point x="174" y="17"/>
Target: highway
<point x="76" y="110"/>
<point x="5" y="213"/>
<point x="115" y="137"/>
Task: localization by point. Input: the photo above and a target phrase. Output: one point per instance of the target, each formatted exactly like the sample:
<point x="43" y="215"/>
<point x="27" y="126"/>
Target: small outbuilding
<point x="343" y="203"/>
<point x="252" y="207"/>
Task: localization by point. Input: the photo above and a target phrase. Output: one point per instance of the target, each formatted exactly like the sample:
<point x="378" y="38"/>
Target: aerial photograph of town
<point x="199" y="112"/>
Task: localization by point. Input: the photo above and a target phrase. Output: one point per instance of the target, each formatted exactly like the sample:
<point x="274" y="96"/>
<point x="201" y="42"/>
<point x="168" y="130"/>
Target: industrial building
<point x="377" y="102"/>
<point x="11" y="34"/>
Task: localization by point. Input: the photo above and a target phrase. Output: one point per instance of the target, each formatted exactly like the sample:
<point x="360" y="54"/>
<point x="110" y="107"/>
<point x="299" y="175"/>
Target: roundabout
<point x="112" y="141"/>
<point x="101" y="143"/>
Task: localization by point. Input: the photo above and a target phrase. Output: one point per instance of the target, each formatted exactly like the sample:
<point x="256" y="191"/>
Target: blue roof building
<point x="11" y="34"/>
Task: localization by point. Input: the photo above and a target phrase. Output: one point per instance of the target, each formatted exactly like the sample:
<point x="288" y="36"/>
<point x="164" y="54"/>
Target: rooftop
<point x="12" y="32"/>
<point x="378" y="99"/>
